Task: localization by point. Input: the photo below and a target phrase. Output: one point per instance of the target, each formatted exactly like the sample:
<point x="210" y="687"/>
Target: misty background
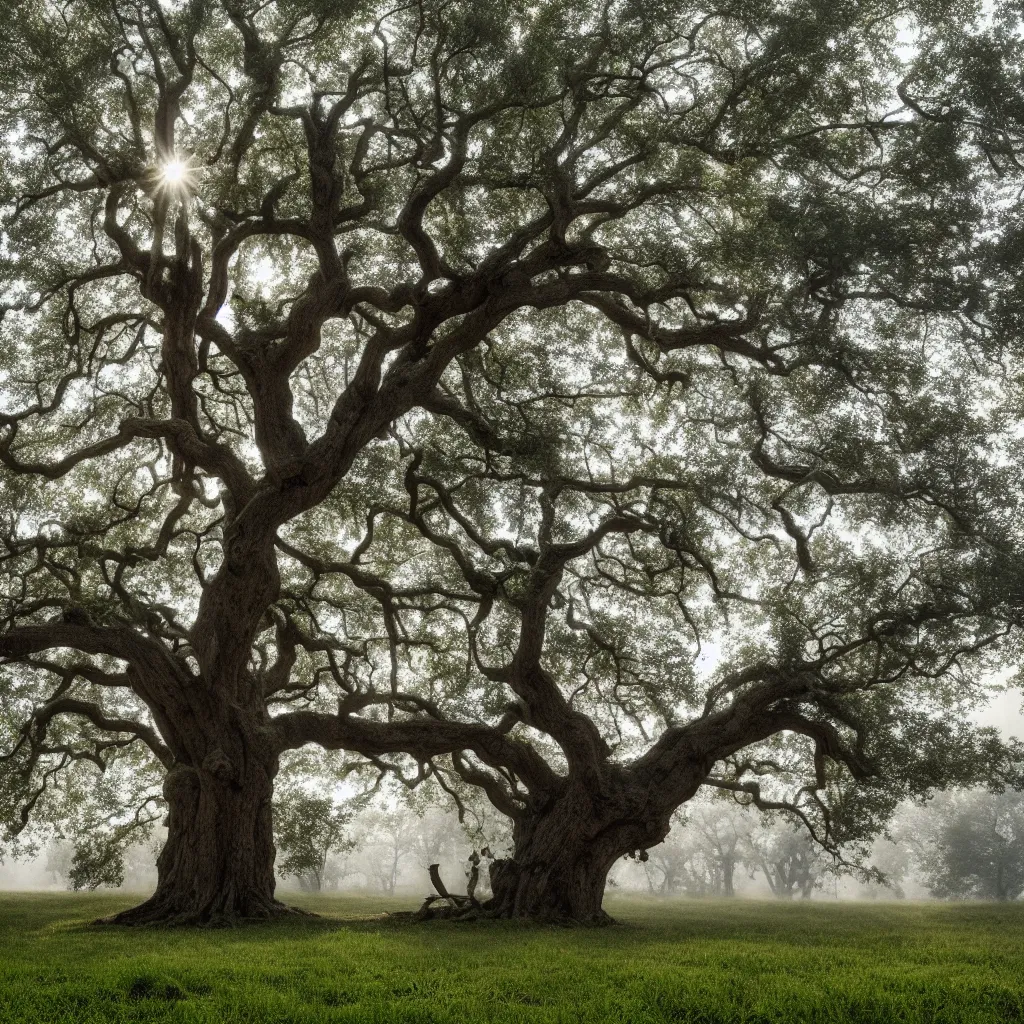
<point x="384" y="845"/>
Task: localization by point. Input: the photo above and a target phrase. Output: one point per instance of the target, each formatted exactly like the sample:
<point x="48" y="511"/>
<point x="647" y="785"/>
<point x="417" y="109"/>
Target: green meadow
<point x="711" y="962"/>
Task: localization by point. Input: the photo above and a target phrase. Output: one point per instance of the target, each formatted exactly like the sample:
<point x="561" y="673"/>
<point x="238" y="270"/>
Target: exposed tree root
<point x="159" y="912"/>
<point x="446" y="906"/>
<point x="490" y="911"/>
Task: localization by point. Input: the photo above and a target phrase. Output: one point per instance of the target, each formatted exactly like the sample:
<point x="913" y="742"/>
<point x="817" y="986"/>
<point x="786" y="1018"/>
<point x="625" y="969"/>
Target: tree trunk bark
<point x="728" y="868"/>
<point x="562" y="858"/>
<point x="217" y="866"/>
<point x="562" y="888"/>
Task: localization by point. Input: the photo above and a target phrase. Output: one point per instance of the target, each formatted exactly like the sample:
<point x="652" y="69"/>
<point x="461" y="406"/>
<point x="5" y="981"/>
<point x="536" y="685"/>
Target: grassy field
<point x="693" y="962"/>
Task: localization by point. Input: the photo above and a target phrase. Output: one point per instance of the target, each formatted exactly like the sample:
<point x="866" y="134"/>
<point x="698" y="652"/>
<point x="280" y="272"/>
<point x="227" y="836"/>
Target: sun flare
<point x="177" y="175"/>
<point x="174" y="172"/>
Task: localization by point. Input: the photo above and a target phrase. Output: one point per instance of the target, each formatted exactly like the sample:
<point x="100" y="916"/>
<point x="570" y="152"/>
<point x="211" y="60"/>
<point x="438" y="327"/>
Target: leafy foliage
<point x="976" y="850"/>
<point x="308" y="829"/>
<point x="588" y="404"/>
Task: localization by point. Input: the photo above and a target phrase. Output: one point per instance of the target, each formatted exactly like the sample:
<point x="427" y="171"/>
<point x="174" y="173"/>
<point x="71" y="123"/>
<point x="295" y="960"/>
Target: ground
<point x="692" y="962"/>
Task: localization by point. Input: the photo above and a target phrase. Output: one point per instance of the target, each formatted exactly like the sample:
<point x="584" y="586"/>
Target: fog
<point x="395" y="845"/>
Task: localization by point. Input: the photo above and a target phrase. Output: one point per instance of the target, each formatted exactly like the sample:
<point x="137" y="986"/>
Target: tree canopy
<point x="585" y="402"/>
<point x="975" y="847"/>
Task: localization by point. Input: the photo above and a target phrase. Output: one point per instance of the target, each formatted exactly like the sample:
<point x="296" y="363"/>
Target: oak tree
<point x="974" y="847"/>
<point x="590" y="403"/>
<point x="787" y="858"/>
<point x="307" y="831"/>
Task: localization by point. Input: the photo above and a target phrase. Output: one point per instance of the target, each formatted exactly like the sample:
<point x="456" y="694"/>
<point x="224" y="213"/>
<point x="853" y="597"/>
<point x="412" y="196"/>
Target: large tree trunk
<point x="217" y="866"/>
<point x="565" y="887"/>
<point x="562" y="859"/>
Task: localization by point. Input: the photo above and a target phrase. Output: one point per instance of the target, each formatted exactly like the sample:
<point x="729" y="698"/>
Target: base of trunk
<point x="488" y="912"/>
<point x="563" y="888"/>
<point x="217" y="866"/>
<point x="565" y="891"/>
<point x="601" y="919"/>
<point x="164" y="910"/>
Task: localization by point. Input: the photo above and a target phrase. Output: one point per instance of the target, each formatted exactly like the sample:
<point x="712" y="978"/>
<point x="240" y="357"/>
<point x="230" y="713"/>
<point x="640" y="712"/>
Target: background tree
<point x="677" y="864"/>
<point x="721" y="829"/>
<point x="787" y="858"/>
<point x="976" y="847"/>
<point x="370" y="374"/>
<point x="308" y="830"/>
<point x="101" y="858"/>
<point x="102" y="823"/>
<point x="386" y="843"/>
<point x="700" y="855"/>
<point x="437" y="839"/>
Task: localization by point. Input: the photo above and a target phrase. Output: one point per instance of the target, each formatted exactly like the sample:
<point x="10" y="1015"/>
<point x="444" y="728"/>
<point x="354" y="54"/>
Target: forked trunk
<point x="217" y="866"/>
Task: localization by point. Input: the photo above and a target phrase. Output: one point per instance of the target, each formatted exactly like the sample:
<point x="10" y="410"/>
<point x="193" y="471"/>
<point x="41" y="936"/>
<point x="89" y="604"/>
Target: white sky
<point x="1006" y="712"/>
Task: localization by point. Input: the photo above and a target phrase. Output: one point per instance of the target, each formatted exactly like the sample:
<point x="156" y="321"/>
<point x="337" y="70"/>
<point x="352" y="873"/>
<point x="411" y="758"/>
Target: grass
<point x="693" y="962"/>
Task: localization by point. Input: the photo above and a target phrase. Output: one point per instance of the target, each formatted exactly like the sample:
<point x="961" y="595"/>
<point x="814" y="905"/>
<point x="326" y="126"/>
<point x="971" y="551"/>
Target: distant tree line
<point x="962" y="845"/>
<point x="708" y="848"/>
